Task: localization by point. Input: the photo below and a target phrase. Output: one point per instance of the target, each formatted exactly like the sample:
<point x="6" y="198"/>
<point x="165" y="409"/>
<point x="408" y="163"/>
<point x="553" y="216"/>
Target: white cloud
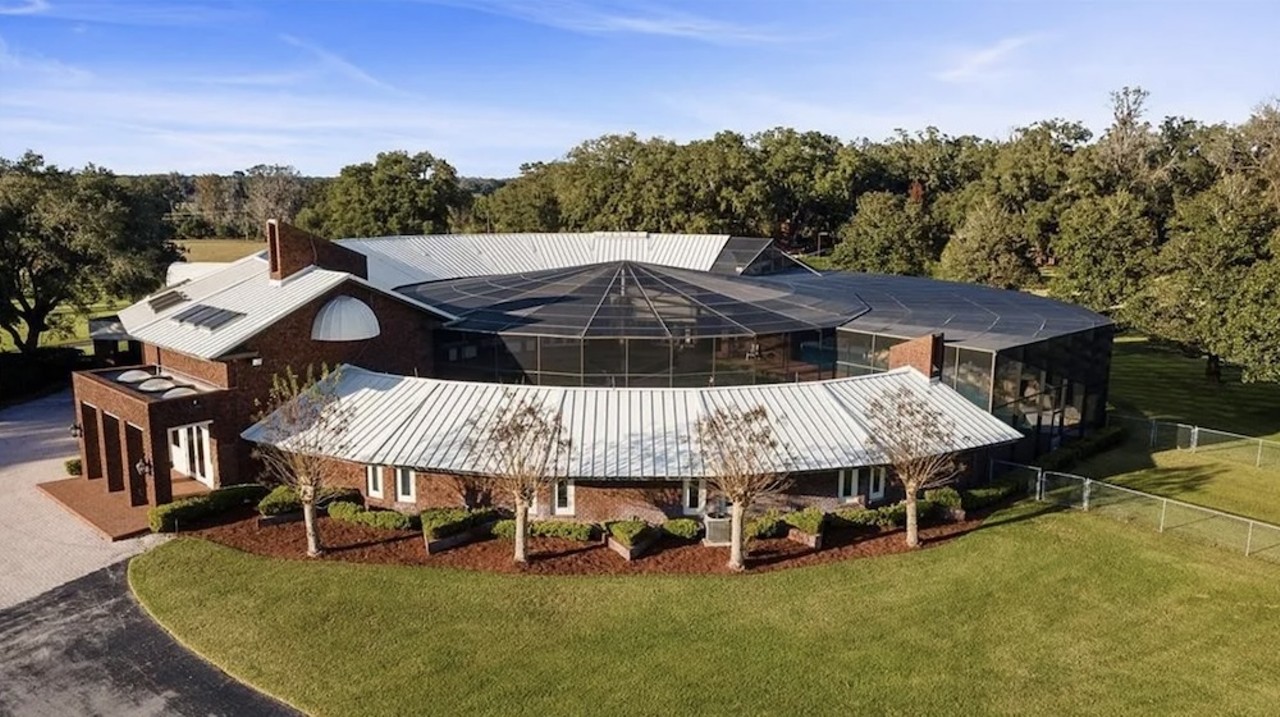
<point x="337" y="63"/>
<point x="984" y="63"/>
<point x="24" y="7"/>
<point x="127" y="12"/>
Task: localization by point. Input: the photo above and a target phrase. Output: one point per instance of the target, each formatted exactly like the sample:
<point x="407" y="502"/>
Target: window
<point x="405" y="492"/>
<point x="847" y="488"/>
<point x="563" y="503"/>
<point x="373" y="481"/>
<point x="694" y="496"/>
<point x="875" y="484"/>
<point x="190" y="452"/>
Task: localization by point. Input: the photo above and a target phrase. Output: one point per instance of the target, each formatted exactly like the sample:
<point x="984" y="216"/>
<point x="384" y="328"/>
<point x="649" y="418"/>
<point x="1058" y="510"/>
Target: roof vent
<point x="345" y="319"/>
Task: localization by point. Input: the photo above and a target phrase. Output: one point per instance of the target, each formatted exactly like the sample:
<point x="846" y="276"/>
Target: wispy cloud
<point x="128" y="12"/>
<point x="24" y="7"/>
<point x="337" y="63"/>
<point x="985" y="62"/>
<point x="608" y="18"/>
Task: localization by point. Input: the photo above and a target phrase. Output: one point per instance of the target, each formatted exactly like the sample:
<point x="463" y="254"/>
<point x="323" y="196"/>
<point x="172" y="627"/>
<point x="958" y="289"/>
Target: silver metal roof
<point x="630" y="433"/>
<point x="400" y="260"/>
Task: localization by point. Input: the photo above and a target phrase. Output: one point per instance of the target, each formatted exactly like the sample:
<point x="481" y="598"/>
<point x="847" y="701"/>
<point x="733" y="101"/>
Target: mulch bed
<point x="553" y="556"/>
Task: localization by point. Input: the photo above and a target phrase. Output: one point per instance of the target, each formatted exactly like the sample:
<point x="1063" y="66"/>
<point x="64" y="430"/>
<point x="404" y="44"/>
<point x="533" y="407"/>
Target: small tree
<point x="519" y="451"/>
<point x="916" y="441"/>
<point x="303" y="421"/>
<point x="744" y="460"/>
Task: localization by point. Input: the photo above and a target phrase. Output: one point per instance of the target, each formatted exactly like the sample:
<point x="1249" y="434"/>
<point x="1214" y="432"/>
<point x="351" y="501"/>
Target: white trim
<point x="412" y="495"/>
<point x="876" y="475"/>
<point x="686" y="490"/>
<point x="373" y="473"/>
<point x="847" y="484"/>
<point x="182" y="451"/>
<point x="556" y="509"/>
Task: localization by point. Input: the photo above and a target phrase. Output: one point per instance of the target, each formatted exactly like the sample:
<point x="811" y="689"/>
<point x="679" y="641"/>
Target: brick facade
<point x="290" y="250"/>
<point x="923" y="353"/>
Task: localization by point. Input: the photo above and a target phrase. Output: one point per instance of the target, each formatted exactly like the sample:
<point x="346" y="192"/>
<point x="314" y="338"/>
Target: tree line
<point x="1171" y="228"/>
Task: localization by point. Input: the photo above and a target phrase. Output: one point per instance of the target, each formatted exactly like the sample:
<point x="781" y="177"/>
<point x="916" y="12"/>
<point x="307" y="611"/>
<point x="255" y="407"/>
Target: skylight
<point x="206" y="317"/>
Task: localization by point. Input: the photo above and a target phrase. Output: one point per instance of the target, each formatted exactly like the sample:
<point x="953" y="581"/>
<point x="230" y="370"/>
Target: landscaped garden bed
<point x="631" y="538"/>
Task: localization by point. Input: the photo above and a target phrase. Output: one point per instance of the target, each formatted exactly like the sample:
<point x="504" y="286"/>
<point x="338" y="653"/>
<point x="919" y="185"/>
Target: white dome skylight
<point x="345" y="319"/>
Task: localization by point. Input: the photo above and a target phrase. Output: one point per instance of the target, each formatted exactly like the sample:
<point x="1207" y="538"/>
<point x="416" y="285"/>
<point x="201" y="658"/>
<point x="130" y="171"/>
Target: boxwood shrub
<point x="808" y="521"/>
<point x="947" y="497"/>
<point x="73" y="466"/>
<point x="769" y="525"/>
<point x="683" y="528"/>
<point x="349" y="512"/>
<point x="1067" y="456"/>
<point x="440" y="523"/>
<point x="628" y="532"/>
<point x="171" y="516"/>
<point x="570" y="530"/>
<point x="284" y="499"/>
<point x="978" y="498"/>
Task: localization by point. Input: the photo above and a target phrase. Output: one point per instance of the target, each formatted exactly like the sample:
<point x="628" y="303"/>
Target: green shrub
<point x="857" y="517"/>
<point x="946" y="497"/>
<point x="440" y="523"/>
<point x="569" y="530"/>
<point x="349" y="512"/>
<point x="284" y="499"/>
<point x="628" y="532"/>
<point x="73" y="466"/>
<point x="1091" y="445"/>
<point x="769" y="525"/>
<point x="170" y="516"/>
<point x="978" y="498"/>
<point x="683" y="528"/>
<point x="808" y="521"/>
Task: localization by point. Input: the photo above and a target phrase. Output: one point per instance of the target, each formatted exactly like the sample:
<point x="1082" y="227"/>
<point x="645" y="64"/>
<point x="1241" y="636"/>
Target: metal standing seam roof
<point x="400" y="260"/>
<point x="629" y="433"/>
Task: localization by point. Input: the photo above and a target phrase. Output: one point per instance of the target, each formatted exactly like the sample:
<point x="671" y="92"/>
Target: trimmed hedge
<point x="168" y="517"/>
<point x="978" y="498"/>
<point x="809" y="520"/>
<point x="569" y="530"/>
<point x="886" y="516"/>
<point x="947" y="497"/>
<point x="769" y="525"/>
<point x="1087" y="447"/>
<point x="73" y="466"/>
<point x="284" y="499"/>
<point x="440" y="523"/>
<point x="349" y="512"/>
<point x="683" y="528"/>
<point x="628" y="532"/>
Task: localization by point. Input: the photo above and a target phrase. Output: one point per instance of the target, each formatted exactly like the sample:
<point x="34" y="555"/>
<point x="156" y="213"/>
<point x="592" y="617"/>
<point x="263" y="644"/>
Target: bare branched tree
<point x="917" y="442"/>
<point x="744" y="460"/>
<point x="519" y="451"/>
<point x="302" y="421"/>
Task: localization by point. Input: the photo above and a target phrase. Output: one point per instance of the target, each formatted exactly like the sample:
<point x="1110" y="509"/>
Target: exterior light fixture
<point x="143" y="467"/>
<point x="76" y="430"/>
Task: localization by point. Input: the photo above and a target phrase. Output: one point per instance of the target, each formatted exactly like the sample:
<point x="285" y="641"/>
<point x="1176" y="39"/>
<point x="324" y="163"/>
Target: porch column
<point x="156" y="449"/>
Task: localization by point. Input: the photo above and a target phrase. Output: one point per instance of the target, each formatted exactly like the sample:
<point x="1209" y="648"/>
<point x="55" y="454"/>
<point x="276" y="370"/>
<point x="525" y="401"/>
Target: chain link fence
<point x="1215" y="444"/>
<point x="1168" y="516"/>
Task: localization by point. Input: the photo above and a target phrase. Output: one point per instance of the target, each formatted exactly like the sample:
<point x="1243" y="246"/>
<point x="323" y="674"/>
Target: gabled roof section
<point x="629" y="433"/>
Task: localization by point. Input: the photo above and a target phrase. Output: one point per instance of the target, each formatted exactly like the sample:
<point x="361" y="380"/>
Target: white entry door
<point x="189" y="450"/>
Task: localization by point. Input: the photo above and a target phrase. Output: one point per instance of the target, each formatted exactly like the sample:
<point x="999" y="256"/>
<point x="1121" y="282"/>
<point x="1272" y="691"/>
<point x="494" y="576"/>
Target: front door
<point x="189" y="450"/>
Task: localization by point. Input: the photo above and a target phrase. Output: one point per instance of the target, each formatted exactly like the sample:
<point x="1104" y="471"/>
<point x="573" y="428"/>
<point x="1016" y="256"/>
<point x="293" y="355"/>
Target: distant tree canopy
<point x="1163" y="225"/>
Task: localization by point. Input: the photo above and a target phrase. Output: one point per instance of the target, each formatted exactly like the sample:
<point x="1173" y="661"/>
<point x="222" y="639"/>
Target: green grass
<point x="220" y="249"/>
<point x="76" y="330"/>
<point x="1061" y="613"/>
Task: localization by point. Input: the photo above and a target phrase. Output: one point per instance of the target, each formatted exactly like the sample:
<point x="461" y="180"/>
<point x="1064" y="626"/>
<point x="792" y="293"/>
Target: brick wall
<point x="290" y="250"/>
<point x="924" y="354"/>
<point x="211" y="372"/>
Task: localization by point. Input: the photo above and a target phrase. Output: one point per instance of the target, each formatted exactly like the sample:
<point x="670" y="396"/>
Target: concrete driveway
<point x="87" y="648"/>
<point x="43" y="546"/>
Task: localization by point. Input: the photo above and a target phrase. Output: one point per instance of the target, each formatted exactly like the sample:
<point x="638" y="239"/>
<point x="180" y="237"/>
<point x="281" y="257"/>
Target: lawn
<point x="77" y="325"/>
<point x="1059" y="613"/>
<point x="220" y="249"/>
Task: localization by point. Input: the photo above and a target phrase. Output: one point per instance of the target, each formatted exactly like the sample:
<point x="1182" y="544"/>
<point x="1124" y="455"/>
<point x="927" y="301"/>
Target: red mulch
<point x="554" y="556"/>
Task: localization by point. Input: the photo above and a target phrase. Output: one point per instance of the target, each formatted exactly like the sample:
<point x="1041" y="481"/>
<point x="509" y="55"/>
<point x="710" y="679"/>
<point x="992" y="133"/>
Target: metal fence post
<point x="1195" y="438"/>
<point x="1088" y="484"/>
<point x="1258" y="463"/>
<point x="1248" y="542"/>
<point x="1164" y="507"/>
<point x="1039" y="485"/>
<point x="1151" y="442"/>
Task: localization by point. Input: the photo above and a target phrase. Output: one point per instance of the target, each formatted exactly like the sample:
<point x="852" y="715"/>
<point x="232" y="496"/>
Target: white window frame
<point x="555" y="497"/>
<point x="412" y="495"/>
<point x="373" y="476"/>
<point x="847" y="484"/>
<point x="686" y="491"/>
<point x="179" y="452"/>
<point x="876" y="475"/>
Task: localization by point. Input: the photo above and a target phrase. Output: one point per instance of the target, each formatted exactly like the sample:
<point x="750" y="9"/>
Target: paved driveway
<point x="87" y="648"/>
<point x="43" y="546"/>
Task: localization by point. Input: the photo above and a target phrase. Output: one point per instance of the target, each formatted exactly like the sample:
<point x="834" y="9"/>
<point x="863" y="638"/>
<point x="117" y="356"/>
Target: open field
<point x="1058" y="613"/>
<point x="78" y="327"/>
<point x="220" y="249"/>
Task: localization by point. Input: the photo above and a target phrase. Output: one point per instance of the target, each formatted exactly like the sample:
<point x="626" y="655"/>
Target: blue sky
<point x="212" y="86"/>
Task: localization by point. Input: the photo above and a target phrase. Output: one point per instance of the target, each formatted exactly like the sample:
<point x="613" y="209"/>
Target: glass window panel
<point x="649" y="356"/>
<point x="604" y="357"/>
<point x="973" y="376"/>
<point x="559" y="355"/>
<point x="880" y="351"/>
<point x="693" y="356"/>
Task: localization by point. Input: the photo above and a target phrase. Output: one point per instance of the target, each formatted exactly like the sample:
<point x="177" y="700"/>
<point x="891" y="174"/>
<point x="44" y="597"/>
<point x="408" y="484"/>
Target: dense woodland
<point x="1173" y="228"/>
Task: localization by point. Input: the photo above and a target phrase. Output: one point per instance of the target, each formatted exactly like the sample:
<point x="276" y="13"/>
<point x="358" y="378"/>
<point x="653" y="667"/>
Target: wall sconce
<point x="143" y="467"/>
<point x="76" y="430"/>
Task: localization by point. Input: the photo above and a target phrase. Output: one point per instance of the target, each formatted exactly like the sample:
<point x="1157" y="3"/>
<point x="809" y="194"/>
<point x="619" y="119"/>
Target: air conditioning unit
<point x="719" y="529"/>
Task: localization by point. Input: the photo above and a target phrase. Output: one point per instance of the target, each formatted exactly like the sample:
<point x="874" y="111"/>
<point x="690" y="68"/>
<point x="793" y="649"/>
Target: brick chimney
<point x="923" y="353"/>
<point x="290" y="250"/>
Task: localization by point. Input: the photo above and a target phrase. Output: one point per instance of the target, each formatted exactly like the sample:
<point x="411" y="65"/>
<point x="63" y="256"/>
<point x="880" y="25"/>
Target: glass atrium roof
<point x="630" y="299"/>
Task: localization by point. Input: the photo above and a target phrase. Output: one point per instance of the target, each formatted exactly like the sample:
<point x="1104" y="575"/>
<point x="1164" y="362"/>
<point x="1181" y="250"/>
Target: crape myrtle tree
<point x="73" y="238"/>
<point x="744" y="460"/>
<point x="519" y="450"/>
<point x="916" y="441"/>
<point x="303" y="422"/>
